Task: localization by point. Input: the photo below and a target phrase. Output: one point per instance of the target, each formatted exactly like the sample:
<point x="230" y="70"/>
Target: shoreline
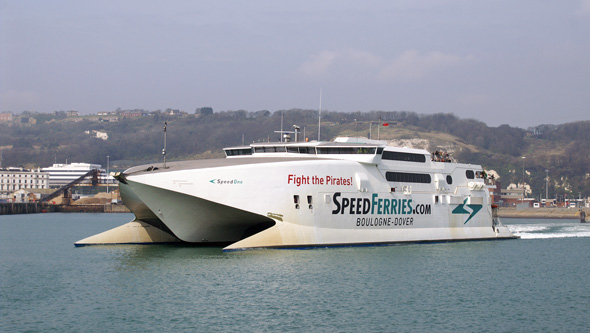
<point x="543" y="213"/>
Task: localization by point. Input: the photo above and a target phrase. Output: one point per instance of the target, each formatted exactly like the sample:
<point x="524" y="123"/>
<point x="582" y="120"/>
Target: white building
<point x="14" y="179"/>
<point x="63" y="174"/>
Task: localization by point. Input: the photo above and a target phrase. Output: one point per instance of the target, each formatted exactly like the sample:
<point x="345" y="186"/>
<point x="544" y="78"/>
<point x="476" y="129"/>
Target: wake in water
<point x="539" y="229"/>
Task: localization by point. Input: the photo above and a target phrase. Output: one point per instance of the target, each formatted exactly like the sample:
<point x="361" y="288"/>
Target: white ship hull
<point x="303" y="201"/>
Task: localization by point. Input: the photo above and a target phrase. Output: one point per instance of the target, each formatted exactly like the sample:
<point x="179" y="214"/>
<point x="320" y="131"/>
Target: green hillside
<point x="33" y="140"/>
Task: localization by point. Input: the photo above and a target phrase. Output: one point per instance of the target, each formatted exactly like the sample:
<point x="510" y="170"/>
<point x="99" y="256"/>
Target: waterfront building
<point x="63" y="174"/>
<point x="14" y="179"/>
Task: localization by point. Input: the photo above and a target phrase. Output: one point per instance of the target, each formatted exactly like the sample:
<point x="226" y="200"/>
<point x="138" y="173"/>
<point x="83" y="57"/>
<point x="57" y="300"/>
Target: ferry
<point x="290" y="194"/>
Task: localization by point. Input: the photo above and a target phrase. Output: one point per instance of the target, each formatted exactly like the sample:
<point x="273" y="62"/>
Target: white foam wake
<point x="550" y="230"/>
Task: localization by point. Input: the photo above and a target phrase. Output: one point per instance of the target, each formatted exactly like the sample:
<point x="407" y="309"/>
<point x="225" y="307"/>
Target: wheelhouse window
<point x="405" y="177"/>
<point x="270" y="149"/>
<point x="306" y="150"/>
<point x="470" y="174"/>
<point x="347" y="150"/>
<point x="406" y="157"/>
<point x="238" y="152"/>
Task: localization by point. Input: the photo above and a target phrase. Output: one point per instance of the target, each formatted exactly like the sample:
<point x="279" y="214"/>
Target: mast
<point x="164" y="150"/>
<point x="281" y="139"/>
<point x="320" y="116"/>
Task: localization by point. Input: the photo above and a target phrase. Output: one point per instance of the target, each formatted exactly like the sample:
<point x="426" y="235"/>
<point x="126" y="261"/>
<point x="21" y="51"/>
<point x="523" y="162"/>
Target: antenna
<point x="164" y="150"/>
<point x="281" y="139"/>
<point x="320" y="116"/>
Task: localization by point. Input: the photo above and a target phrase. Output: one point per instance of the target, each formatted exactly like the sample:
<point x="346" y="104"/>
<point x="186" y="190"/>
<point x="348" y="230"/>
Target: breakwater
<point x="36" y="207"/>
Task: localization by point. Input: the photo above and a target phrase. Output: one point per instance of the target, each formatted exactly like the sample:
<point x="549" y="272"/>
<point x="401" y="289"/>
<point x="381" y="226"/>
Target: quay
<point x="39" y="207"/>
<point x="544" y="213"/>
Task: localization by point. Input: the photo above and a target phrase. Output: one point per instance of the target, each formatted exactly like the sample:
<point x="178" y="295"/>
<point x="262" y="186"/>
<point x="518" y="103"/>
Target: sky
<point x="521" y="63"/>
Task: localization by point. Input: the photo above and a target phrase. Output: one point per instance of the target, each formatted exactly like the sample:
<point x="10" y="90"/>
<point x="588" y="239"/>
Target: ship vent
<point x="362" y="182"/>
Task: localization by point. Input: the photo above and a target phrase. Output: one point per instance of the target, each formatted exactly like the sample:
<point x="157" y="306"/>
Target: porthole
<point x="449" y="179"/>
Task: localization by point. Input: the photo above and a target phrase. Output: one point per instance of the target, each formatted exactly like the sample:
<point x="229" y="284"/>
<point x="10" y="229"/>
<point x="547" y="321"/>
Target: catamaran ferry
<point x="307" y="194"/>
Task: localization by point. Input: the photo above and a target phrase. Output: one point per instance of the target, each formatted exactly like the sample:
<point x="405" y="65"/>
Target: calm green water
<point x="538" y="283"/>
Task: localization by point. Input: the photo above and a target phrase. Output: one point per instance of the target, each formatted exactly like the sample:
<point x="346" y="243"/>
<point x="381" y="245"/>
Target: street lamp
<point x="523" y="158"/>
<point x="546" y="186"/>
<point x="107" y="177"/>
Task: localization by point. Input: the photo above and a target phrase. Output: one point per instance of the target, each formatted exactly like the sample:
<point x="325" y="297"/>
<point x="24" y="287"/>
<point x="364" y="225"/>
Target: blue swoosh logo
<point x="461" y="210"/>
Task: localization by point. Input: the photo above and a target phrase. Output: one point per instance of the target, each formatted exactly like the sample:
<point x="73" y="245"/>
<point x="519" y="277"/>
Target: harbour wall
<point x="543" y="213"/>
<point x="35" y="207"/>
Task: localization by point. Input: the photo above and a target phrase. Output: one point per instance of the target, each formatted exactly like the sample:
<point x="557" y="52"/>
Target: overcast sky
<point x="521" y="63"/>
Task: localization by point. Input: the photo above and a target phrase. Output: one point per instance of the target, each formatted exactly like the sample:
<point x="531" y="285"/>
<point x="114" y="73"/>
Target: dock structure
<point x="39" y="207"/>
<point x="22" y="208"/>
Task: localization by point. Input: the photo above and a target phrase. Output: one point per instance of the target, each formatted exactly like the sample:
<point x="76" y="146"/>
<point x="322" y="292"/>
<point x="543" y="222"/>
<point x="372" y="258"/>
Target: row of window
<point x="405" y="177"/>
<point x="386" y="155"/>
<point x="304" y="150"/>
<point x="14" y="187"/>
<point x="423" y="178"/>
<point x="20" y="181"/>
<point x="348" y="150"/>
<point x="406" y="157"/>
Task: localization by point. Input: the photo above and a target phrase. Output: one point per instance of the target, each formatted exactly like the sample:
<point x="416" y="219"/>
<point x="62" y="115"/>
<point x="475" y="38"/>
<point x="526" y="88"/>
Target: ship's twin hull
<point x="200" y="221"/>
<point x="193" y="219"/>
<point x="255" y="203"/>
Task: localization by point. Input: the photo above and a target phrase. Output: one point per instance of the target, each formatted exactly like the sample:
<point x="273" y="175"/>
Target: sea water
<point x="540" y="282"/>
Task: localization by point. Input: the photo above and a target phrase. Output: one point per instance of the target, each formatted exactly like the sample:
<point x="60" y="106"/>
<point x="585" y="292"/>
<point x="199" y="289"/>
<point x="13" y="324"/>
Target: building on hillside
<point x="15" y="179"/>
<point x="72" y="113"/>
<point x="109" y="119"/>
<point x="98" y="134"/>
<point x="6" y="117"/>
<point x="132" y="114"/>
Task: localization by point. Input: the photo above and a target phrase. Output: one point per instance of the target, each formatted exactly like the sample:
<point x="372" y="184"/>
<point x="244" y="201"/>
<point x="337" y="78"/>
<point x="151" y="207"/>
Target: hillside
<point x="33" y="140"/>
